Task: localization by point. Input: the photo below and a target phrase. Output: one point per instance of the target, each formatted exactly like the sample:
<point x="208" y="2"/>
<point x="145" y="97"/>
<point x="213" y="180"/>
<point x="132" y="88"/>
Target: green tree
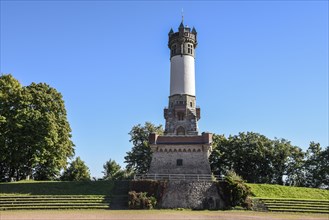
<point x="251" y="153"/>
<point x="246" y="154"/>
<point x="52" y="145"/>
<point x="112" y="171"/>
<point x="35" y="135"/>
<point x="323" y="171"/>
<point x="295" y="167"/>
<point x="219" y="162"/>
<point x="11" y="152"/>
<point x="316" y="166"/>
<point x="281" y="152"/>
<point x="140" y="156"/>
<point x="77" y="171"/>
<point x="253" y="156"/>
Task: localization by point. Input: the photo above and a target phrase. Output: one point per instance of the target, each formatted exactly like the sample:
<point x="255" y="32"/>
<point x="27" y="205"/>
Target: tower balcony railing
<point x="192" y="177"/>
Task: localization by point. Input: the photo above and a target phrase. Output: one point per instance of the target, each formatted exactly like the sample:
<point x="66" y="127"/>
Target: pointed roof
<point x="194" y="30"/>
<point x="181" y="25"/>
<point x="171" y="31"/>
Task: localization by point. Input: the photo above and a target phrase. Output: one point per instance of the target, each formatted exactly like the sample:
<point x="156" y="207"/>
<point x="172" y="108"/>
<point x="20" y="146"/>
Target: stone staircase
<point x="119" y="197"/>
<point x="54" y="202"/>
<point x="294" y="205"/>
<point x="117" y="200"/>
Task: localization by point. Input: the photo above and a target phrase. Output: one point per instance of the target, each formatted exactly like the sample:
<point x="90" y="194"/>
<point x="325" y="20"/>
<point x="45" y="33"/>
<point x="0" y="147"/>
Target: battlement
<point x="205" y="138"/>
<point x="182" y="42"/>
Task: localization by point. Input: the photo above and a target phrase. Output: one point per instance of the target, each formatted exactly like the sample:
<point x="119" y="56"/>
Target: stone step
<point x="119" y="202"/>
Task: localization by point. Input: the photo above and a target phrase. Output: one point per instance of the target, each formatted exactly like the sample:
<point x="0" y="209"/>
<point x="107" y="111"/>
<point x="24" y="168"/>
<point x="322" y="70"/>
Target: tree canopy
<point x="140" y="156"/>
<point x="77" y="171"/>
<point x="316" y="166"/>
<point x="258" y="159"/>
<point x="253" y="156"/>
<point x="112" y="171"/>
<point x="35" y="136"/>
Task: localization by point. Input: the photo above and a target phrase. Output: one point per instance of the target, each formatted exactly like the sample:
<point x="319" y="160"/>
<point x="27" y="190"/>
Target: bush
<point x="141" y="200"/>
<point x="152" y="188"/>
<point x="235" y="191"/>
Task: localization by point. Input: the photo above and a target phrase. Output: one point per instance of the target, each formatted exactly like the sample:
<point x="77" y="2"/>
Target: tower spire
<point x="182" y="15"/>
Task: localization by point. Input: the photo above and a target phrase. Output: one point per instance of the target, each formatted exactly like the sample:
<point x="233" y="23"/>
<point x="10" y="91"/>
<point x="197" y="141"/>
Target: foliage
<point x="77" y="171"/>
<point x="316" y="166"/>
<point x="295" y="168"/>
<point x="151" y="187"/>
<point x="140" y="156"/>
<point x="58" y="188"/>
<point x="35" y="136"/>
<point x="310" y="170"/>
<point x="218" y="160"/>
<point x="254" y="157"/>
<point x="141" y="200"/>
<point x="278" y="191"/>
<point x="238" y="191"/>
<point x="112" y="170"/>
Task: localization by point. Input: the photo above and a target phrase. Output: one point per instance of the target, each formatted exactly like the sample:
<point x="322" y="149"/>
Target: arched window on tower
<point x="180" y="131"/>
<point x="180" y="116"/>
<point x="190" y="48"/>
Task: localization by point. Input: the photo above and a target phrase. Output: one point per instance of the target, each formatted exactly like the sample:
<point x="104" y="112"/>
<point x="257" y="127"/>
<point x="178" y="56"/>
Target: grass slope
<point x="57" y="188"/>
<point x="278" y="191"/>
<point x="108" y="187"/>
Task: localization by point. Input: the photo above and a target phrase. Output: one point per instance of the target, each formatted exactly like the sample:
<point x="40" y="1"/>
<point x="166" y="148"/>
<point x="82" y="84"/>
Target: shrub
<point x="152" y="188"/>
<point x="141" y="200"/>
<point x="235" y="191"/>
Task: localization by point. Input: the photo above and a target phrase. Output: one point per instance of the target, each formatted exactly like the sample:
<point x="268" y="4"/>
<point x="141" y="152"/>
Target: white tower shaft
<point x="182" y="75"/>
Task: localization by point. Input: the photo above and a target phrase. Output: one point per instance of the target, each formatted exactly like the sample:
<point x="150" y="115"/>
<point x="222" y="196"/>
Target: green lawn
<point x="278" y="191"/>
<point x="57" y="188"/>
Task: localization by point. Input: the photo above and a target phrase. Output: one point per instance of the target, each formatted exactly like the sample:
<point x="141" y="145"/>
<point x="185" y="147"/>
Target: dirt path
<point x="154" y="215"/>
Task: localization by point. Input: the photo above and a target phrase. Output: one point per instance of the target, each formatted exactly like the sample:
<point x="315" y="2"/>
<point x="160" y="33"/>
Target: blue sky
<point x="261" y="66"/>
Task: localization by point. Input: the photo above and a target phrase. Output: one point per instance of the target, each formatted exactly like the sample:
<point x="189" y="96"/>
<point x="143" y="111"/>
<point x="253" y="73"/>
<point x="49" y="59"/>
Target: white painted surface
<point x="182" y="75"/>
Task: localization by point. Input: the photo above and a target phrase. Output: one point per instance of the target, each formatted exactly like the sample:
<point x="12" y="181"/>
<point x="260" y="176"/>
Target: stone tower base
<point x="191" y="195"/>
<point x="180" y="154"/>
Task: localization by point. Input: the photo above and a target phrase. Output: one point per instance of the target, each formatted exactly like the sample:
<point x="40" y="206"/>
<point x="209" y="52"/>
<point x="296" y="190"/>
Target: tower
<point x="182" y="114"/>
<point x="181" y="150"/>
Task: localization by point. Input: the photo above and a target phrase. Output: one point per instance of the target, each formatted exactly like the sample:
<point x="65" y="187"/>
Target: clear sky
<point x="261" y="66"/>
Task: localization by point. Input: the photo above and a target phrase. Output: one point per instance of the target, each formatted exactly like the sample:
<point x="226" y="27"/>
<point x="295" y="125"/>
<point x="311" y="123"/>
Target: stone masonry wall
<point x="192" y="163"/>
<point x="181" y="104"/>
<point x="191" y="195"/>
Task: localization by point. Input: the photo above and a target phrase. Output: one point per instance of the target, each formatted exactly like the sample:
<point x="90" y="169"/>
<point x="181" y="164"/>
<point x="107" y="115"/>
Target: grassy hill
<point x="114" y="195"/>
<point x="106" y="188"/>
<point x="278" y="191"/>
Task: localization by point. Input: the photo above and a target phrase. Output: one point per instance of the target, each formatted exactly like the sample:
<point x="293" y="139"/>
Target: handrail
<point x="198" y="177"/>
